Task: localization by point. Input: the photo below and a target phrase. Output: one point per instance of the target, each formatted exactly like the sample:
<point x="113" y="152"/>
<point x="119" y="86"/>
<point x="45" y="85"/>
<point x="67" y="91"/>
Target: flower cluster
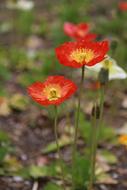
<point x="57" y="89"/>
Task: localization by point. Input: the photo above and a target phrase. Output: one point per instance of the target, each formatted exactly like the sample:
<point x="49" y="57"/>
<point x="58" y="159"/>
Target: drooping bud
<point x="103" y="76"/>
<point x="96" y="111"/>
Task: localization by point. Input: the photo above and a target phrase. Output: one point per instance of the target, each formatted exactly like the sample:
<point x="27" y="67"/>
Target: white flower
<point x="20" y="4"/>
<point x="115" y="71"/>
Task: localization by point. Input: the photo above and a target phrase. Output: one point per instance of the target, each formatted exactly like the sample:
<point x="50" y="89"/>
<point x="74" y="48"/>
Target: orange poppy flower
<point x="123" y="139"/>
<point x="79" y="31"/>
<point x="54" y="91"/>
<point x="77" y="54"/>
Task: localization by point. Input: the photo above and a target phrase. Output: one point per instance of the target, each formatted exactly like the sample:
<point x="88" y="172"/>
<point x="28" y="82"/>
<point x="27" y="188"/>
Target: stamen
<point x="81" y="55"/>
<point x="52" y="92"/>
<point x="107" y="64"/>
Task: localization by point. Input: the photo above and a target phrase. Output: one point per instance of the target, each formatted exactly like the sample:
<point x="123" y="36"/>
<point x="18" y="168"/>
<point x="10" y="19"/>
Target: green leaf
<point x="19" y="102"/>
<point x="2" y="172"/>
<point x="107" y="133"/>
<point x="63" y="141"/>
<point x="24" y="173"/>
<point x="80" y="172"/>
<point x="3" y="153"/>
<point x="4" y="136"/>
<point x="106" y="179"/>
<point x="12" y="164"/>
<point x="37" y="171"/>
<point x="5" y="145"/>
<point x="110" y="157"/>
<point x="4" y="72"/>
<point x="52" y="186"/>
<point x="24" y="22"/>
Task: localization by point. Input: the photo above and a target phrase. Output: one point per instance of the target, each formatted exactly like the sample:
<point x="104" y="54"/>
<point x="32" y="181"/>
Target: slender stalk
<point x="97" y="125"/>
<point x="78" y="108"/>
<point x="93" y="150"/>
<point x="77" y="122"/>
<point x="102" y="92"/>
<point x="58" y="147"/>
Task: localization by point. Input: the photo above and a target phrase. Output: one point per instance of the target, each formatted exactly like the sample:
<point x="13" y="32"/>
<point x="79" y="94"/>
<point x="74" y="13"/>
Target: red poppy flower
<point x="79" y="31"/>
<point x="54" y="90"/>
<point x="77" y="54"/>
<point x="123" y="6"/>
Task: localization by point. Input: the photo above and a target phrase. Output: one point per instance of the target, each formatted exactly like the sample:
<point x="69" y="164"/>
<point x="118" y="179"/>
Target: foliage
<point x="24" y="22"/>
<point x="52" y="186"/>
<point x="34" y="171"/>
<point x="5" y="145"/>
<point x="80" y="172"/>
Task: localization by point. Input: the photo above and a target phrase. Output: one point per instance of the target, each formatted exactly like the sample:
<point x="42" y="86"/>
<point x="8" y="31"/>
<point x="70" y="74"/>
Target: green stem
<point x="102" y="92"/>
<point x="96" y="125"/>
<point x="58" y="147"/>
<point x="93" y="151"/>
<point x="77" y="123"/>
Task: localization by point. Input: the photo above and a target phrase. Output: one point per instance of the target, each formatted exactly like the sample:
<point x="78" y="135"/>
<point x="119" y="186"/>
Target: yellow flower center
<point x="107" y="64"/>
<point x="53" y="92"/>
<point x="80" y="55"/>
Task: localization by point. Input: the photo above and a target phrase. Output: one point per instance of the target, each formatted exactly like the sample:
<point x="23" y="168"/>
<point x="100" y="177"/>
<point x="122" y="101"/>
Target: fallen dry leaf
<point x="106" y="179"/>
<point x="4" y="107"/>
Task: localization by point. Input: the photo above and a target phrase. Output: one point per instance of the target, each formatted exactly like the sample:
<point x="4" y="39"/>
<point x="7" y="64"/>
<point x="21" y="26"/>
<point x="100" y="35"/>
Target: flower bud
<point x="96" y="111"/>
<point x="103" y="76"/>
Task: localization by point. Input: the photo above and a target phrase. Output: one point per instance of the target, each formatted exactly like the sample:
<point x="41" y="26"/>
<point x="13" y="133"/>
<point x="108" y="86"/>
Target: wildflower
<point x="20" y="4"/>
<point x="79" y="31"/>
<point x="55" y="90"/>
<point x="123" y="6"/>
<point x="115" y="71"/>
<point x="77" y="54"/>
<point x="123" y="140"/>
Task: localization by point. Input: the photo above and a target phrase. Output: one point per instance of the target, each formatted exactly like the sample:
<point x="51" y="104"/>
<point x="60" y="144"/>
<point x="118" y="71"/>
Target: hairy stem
<point x="58" y="147"/>
<point x="93" y="149"/>
<point x="77" y="124"/>
<point x="96" y="126"/>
